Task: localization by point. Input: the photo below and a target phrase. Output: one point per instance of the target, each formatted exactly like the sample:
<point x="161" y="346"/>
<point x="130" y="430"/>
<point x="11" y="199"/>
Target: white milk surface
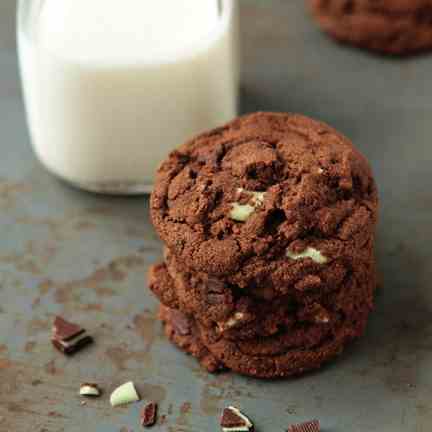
<point x="112" y="86"/>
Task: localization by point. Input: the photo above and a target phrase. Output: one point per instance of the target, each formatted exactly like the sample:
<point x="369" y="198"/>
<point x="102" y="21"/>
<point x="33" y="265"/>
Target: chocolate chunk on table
<point x="68" y="337"/>
<point x="149" y="415"/>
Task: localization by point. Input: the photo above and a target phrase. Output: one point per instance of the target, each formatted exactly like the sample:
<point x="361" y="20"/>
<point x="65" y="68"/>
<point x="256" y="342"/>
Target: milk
<point x="112" y="86"/>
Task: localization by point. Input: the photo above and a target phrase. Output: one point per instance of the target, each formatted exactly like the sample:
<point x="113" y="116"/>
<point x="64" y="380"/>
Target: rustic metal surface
<point x="85" y="257"/>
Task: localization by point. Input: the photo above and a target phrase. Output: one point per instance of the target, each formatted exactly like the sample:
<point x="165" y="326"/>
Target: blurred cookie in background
<point x="395" y="27"/>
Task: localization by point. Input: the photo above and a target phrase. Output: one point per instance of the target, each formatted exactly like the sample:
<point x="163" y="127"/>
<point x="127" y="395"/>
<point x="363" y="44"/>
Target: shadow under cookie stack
<point x="268" y="225"/>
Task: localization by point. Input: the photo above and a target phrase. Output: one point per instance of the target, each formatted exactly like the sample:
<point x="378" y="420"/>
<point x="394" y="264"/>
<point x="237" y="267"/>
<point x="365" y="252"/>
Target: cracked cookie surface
<point x="318" y="191"/>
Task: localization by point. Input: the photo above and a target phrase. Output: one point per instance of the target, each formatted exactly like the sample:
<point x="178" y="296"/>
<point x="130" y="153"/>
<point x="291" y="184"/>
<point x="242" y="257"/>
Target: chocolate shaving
<point x="310" y="426"/>
<point x="149" y="415"/>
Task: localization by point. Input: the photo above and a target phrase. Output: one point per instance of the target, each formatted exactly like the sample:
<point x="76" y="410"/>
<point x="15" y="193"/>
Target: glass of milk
<point x="112" y="86"/>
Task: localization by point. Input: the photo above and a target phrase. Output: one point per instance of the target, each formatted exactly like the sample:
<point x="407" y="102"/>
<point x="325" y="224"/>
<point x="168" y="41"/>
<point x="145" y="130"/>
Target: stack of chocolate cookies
<point x="268" y="225"/>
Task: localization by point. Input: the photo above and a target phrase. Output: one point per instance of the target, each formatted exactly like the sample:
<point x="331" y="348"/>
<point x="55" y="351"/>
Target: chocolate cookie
<point x="236" y="315"/>
<point x="338" y="318"/>
<point x="265" y="201"/>
<point x="244" y="318"/>
<point x="304" y="347"/>
<point x="388" y="26"/>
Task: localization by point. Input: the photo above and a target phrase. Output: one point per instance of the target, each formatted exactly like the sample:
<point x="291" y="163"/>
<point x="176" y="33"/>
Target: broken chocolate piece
<point x="310" y="426"/>
<point x="89" y="390"/>
<point x="149" y="414"/>
<point x="68" y="337"/>
<point x="66" y="330"/>
<point x="234" y="421"/>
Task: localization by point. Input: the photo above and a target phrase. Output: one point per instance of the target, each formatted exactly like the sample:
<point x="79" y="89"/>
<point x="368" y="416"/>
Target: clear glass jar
<point x="111" y="87"/>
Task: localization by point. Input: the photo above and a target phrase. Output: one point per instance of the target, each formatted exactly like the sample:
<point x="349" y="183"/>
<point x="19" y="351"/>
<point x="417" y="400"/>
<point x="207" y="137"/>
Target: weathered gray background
<point x="83" y="256"/>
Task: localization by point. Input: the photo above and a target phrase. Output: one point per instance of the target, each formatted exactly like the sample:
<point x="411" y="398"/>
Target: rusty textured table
<point x="66" y="252"/>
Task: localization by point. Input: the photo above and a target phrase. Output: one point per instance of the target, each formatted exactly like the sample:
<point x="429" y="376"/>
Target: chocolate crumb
<point x="310" y="426"/>
<point x="149" y="415"/>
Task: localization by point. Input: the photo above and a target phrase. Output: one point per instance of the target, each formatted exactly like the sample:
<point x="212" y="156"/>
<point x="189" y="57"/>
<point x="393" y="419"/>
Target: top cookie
<point x="264" y="188"/>
<point x="387" y="26"/>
